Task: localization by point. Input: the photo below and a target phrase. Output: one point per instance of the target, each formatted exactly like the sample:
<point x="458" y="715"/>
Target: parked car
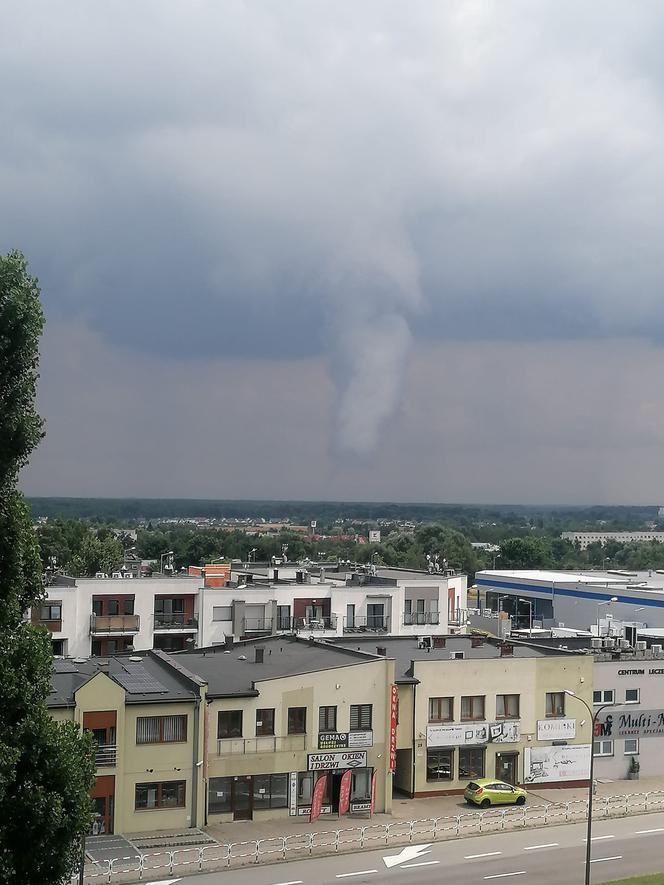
<point x="486" y="792"/>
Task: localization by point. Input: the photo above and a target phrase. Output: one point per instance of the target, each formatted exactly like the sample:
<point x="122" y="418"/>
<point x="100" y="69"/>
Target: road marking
<point x="487" y="854"/>
<point x="600" y="859"/>
<point x="359" y="873"/>
<point x="599" y="838"/>
<point x="656" y="830"/>
<point x="422" y="863"/>
<point x="410" y="852"/>
<point x="294" y="882"/>
<point x="546" y="845"/>
<point x="502" y="875"/>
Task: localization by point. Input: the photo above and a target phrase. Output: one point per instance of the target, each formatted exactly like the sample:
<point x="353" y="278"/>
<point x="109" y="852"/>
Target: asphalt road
<point x="552" y="855"/>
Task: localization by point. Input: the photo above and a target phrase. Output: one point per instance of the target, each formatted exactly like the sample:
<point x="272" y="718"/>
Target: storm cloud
<point x="348" y="187"/>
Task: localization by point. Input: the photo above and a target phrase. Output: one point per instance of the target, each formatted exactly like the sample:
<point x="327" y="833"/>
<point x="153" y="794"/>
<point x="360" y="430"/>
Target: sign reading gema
<point x="337" y="761"/>
<point x="340" y="740"/>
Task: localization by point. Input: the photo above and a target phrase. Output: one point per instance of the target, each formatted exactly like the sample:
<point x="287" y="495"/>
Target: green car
<point x="486" y="792"/>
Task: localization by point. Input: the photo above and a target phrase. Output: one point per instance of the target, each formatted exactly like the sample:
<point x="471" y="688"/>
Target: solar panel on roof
<point x="137" y="680"/>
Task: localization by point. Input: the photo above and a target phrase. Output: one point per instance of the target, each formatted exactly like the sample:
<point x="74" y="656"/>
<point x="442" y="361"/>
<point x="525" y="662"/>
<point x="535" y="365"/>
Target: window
<point x="440" y="765"/>
<point x="161" y="729"/>
<point x="270" y="791"/>
<point x="264" y="722"/>
<point x="168" y="794"/>
<point x="128" y="607"/>
<point x="361" y="785"/>
<point x="360" y="717"/>
<point x="297" y="720"/>
<point x="327" y="719"/>
<point x="408" y="606"/>
<point x="51" y="612"/>
<point x="350" y="617"/>
<point x="229" y="724"/>
<point x="305" y="787"/>
<point x="441" y="709"/>
<point x="222" y="613"/>
<point x="602" y="748"/>
<point x="631" y="746"/>
<point x="472" y="707"/>
<point x="471" y="763"/>
<point x="97" y="606"/>
<point x="219" y="794"/>
<point x="113" y="607"/>
<point x="555" y="703"/>
<point x="283" y="617"/>
<point x="507" y="706"/>
<point x="604" y="697"/>
<point x="632" y="695"/>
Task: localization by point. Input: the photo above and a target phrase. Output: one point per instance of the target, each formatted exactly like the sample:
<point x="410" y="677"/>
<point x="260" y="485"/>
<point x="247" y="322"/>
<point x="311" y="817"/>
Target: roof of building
<point x="639" y="581"/>
<point x="406" y="649"/>
<point x="234" y="672"/>
<point x="147" y="678"/>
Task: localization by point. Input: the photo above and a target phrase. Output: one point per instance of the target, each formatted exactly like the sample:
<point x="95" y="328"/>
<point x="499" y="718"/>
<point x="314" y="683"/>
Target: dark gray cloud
<point x="336" y="180"/>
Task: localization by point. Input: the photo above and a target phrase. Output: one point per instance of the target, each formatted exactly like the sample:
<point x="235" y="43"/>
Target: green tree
<point x="46" y="768"/>
<point x="526" y="553"/>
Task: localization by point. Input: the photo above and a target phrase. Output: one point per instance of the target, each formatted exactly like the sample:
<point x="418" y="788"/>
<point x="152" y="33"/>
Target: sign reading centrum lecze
<point x="641" y="723"/>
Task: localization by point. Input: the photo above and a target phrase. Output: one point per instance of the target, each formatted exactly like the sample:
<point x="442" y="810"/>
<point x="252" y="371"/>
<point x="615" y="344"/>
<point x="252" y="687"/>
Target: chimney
<point x="229" y="641"/>
<point x="299" y="577"/>
<point x="381" y="650"/>
<point x="506" y="650"/>
<point x="259" y="655"/>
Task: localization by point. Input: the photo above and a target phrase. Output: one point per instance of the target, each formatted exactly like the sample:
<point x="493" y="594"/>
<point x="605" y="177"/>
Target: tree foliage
<point x="46" y="768"/>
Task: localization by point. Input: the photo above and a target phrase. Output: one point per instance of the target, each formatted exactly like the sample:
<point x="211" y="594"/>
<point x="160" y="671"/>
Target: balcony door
<point x="375" y="615"/>
<point x="103" y="802"/>
<point x="242" y="795"/>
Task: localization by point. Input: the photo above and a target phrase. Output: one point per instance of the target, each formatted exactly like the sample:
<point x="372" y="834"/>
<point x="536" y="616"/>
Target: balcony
<point x="370" y="624"/>
<point x="106" y="756"/>
<point x="52" y="626"/>
<point x="313" y="625"/>
<point x="174" y="621"/>
<point x="257" y="625"/>
<point x="291" y="743"/>
<point x="114" y="624"/>
<point x="417" y="618"/>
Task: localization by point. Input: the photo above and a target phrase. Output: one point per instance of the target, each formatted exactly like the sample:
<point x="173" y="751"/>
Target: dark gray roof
<point x="234" y="673"/>
<point x="405" y="650"/>
<point x="152" y="680"/>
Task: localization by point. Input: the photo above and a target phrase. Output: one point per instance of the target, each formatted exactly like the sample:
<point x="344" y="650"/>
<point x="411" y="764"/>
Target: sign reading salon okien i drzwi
<point x="394" y="715"/>
<point x="337" y="761"/>
<point x="344" y="791"/>
<point x="317" y="798"/>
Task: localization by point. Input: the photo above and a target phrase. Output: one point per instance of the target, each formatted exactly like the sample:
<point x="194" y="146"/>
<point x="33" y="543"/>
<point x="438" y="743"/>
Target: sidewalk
<point x="402" y="809"/>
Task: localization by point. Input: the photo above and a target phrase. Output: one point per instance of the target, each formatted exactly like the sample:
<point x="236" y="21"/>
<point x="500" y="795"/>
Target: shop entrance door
<point x="103" y="799"/>
<point x="242" y="796"/>
<point x="507" y="767"/>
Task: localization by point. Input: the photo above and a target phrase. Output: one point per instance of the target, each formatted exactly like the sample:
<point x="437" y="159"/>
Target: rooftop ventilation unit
<point x="456" y="655"/>
<point x="596" y="643"/>
<point x="609" y="642"/>
<point x="641" y="645"/>
<point x="656" y="650"/>
<point x="625" y="643"/>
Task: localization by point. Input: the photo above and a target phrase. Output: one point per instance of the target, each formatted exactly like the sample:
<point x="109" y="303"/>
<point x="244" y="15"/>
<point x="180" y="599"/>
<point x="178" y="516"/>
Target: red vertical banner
<point x="373" y="793"/>
<point x="344" y="791"/>
<point x="394" y="715"/>
<point x="317" y="798"/>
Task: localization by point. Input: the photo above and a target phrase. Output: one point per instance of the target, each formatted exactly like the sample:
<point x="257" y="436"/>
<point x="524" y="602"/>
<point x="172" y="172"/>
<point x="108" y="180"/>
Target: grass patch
<point x="657" y="879"/>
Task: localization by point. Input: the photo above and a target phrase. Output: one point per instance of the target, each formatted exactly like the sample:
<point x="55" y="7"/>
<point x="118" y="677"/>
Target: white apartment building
<point x="107" y="616"/>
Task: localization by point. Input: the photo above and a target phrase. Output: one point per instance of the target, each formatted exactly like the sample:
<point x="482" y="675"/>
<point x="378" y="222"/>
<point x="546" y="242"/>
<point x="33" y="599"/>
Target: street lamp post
<point x="608" y="602"/>
<point x="530" y="603"/>
<point x="593" y="721"/>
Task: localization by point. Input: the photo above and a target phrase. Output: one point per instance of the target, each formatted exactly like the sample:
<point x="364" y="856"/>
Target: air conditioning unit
<point x="624" y="643"/>
<point x="596" y="643"/>
<point x="641" y="645"/>
<point x="456" y="655"/>
<point x="609" y="642"/>
<point x="656" y="650"/>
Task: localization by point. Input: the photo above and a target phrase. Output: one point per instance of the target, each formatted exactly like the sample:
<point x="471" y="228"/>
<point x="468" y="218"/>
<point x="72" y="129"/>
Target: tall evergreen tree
<point x="46" y="768"/>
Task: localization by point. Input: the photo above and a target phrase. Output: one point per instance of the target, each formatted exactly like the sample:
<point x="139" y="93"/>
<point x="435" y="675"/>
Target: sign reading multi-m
<point x="339" y="740"/>
<point x="644" y="723"/>
<point x="337" y="761"/>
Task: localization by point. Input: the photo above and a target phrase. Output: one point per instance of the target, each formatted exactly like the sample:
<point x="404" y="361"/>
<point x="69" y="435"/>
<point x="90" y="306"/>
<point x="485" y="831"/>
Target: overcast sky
<point x="362" y="250"/>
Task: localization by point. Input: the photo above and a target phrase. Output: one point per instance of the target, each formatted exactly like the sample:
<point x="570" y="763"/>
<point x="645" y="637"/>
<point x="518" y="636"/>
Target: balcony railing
<point x="51" y="626"/>
<point x="370" y="624"/>
<point x="174" y="621"/>
<point x="114" y="624"/>
<point x="106" y="755"/>
<point x="290" y="743"/>
<point x="315" y="624"/>
<point x="411" y="618"/>
<point x="258" y="625"/>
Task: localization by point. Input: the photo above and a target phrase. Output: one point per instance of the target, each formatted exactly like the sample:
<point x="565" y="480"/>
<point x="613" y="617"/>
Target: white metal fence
<point x="231" y="855"/>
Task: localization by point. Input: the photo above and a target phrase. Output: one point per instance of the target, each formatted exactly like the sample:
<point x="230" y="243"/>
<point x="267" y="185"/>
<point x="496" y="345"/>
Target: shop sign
<point x="292" y="794"/>
<point x="550" y="764"/>
<point x="360" y="806"/>
<point x="468" y="734"/>
<point x="556" y="729"/>
<point x="306" y="809"/>
<point x="337" y="761"/>
<point x="394" y="715"/>
<point x="637" y="723"/>
<point x="339" y="740"/>
<point x="641" y="671"/>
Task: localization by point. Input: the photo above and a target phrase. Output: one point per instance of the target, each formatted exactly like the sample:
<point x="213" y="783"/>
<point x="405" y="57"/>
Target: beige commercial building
<point x="472" y="707"/>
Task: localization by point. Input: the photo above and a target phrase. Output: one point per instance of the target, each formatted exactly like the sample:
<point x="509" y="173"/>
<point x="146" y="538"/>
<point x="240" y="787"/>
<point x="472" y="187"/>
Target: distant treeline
<point x="549" y="518"/>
